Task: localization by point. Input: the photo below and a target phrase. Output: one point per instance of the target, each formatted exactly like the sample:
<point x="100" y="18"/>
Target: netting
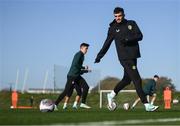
<point x="60" y="77"/>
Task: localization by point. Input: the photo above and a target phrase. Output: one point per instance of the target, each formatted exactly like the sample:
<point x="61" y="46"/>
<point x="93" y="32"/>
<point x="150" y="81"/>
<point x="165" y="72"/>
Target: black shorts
<point x="73" y="83"/>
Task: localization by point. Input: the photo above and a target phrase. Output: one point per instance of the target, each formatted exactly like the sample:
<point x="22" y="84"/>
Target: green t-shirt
<point x="76" y="65"/>
<point x="150" y="87"/>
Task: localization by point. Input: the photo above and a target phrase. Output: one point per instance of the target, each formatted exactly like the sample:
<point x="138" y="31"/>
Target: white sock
<point x="134" y="104"/>
<point x="152" y="102"/>
<point x="75" y="103"/>
<point x="65" y="105"/>
<point x="112" y="94"/>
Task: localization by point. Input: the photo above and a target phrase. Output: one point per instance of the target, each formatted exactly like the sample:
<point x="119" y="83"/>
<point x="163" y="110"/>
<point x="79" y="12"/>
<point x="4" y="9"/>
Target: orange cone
<point x="14" y="98"/>
<point x="167" y="98"/>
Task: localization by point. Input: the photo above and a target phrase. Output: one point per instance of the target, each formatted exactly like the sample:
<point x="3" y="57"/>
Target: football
<point x="175" y="101"/>
<point x="46" y="105"/>
<point x="114" y="105"/>
<point x="126" y="106"/>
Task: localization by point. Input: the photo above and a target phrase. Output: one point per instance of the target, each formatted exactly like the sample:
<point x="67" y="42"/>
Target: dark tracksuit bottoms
<point x="79" y="84"/>
<point x="131" y="74"/>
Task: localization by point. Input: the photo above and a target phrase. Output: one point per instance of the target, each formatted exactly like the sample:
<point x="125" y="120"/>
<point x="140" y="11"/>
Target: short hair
<point x="84" y="44"/>
<point x="156" y="76"/>
<point x="118" y="10"/>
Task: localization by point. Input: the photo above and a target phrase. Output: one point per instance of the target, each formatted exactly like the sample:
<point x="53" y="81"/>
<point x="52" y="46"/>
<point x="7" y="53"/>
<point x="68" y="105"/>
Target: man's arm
<point x="136" y="33"/>
<point x="105" y="47"/>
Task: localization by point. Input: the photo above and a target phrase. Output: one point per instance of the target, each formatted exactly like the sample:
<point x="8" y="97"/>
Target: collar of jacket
<point x="81" y="52"/>
<point x="114" y="22"/>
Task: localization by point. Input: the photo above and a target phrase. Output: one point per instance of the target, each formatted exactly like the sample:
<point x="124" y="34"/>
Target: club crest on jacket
<point x="117" y="30"/>
<point x="130" y="27"/>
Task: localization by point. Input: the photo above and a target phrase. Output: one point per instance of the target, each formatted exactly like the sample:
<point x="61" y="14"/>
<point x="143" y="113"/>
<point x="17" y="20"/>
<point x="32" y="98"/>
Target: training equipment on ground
<point x="15" y="100"/>
<point x="112" y="107"/>
<point x="46" y="105"/>
<point x="175" y="101"/>
<point x="126" y="106"/>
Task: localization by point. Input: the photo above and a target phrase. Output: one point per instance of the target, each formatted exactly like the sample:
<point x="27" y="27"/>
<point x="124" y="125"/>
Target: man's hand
<point x="97" y="60"/>
<point x="87" y="68"/>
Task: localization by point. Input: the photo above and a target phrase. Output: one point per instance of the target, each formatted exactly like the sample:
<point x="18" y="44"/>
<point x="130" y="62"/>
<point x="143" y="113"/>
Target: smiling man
<point x="126" y="34"/>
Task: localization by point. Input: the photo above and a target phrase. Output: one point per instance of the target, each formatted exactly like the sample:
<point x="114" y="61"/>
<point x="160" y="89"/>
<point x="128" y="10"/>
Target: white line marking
<point x="135" y="122"/>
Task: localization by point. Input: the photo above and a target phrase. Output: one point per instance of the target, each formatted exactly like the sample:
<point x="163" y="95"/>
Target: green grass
<point x="35" y="117"/>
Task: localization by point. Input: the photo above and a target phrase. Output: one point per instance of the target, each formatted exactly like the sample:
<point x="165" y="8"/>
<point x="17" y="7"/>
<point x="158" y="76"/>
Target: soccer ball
<point x="175" y="101"/>
<point x="46" y="105"/>
<point x="126" y="106"/>
<point x="114" y="106"/>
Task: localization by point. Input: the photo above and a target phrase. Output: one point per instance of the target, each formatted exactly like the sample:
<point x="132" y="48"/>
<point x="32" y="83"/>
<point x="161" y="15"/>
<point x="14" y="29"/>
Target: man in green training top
<point x="75" y="80"/>
<point x="149" y="90"/>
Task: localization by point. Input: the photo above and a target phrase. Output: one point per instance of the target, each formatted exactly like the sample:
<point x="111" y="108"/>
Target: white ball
<point x="113" y="106"/>
<point x="175" y="101"/>
<point x="46" y="105"/>
<point x="126" y="106"/>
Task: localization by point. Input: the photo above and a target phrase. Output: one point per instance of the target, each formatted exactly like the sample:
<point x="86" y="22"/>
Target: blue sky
<point x="36" y="34"/>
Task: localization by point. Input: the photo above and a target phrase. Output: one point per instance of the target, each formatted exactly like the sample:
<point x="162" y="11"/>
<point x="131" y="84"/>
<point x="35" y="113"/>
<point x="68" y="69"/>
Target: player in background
<point x="149" y="90"/>
<point x="79" y="88"/>
<point x="74" y="79"/>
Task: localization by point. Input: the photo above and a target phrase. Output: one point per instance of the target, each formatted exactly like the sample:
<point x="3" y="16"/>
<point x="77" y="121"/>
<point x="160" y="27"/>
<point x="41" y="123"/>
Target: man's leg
<point x="77" y="99"/>
<point x="66" y="102"/>
<point x="68" y="86"/>
<point x="67" y="98"/>
<point x="148" y="98"/>
<point x="135" y="103"/>
<point x="123" y="83"/>
<point x="85" y="91"/>
<point x="130" y="67"/>
<point x="79" y="93"/>
<point x="153" y="98"/>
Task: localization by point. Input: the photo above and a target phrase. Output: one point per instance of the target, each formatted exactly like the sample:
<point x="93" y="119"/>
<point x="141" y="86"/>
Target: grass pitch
<point x="95" y="116"/>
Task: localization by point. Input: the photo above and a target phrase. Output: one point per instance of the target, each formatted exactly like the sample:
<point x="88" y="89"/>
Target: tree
<point x="108" y="83"/>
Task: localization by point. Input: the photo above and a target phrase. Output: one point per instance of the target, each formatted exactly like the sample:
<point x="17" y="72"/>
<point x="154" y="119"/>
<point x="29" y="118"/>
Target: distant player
<point x="75" y="80"/>
<point x="149" y="90"/>
<point x="127" y="35"/>
<point x="79" y="88"/>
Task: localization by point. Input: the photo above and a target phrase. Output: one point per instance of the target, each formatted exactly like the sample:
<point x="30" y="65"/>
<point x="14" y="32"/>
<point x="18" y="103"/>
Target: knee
<point x="79" y="93"/>
<point x="64" y="92"/>
<point x="69" y="95"/>
<point x="86" y="87"/>
<point x="138" y="80"/>
<point x="126" y="80"/>
<point x="154" y="95"/>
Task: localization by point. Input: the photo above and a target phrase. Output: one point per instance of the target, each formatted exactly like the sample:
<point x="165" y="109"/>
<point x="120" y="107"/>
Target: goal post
<point x="107" y="91"/>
